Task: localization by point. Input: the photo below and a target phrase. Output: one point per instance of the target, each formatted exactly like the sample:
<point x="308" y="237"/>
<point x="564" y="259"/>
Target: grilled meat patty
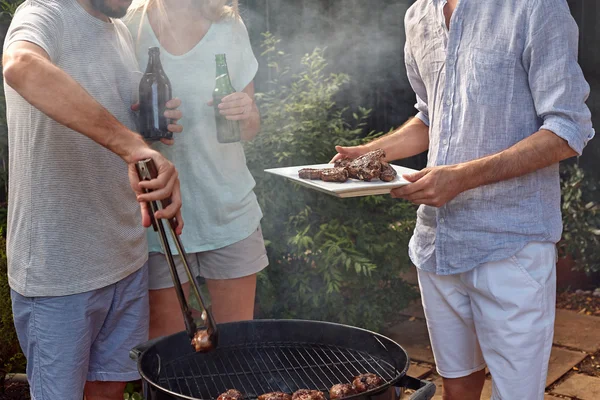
<point x="231" y="394"/>
<point x="334" y="175"/>
<point x="305" y="394"/>
<point x="343" y="162"/>
<point x="368" y="166"/>
<point x="341" y="390"/>
<point x="388" y="173"/>
<point x="366" y="382"/>
<point x="275" y="396"/>
<point x="309" y="173"/>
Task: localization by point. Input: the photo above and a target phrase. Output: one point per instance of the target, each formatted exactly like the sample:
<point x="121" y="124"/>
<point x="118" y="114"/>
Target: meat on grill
<point x="334" y="175"/>
<point x="341" y="390"/>
<point x="275" y="396"/>
<point x="231" y="394"/>
<point x="366" y="382"/>
<point x="202" y="341"/>
<point x="388" y="173"/>
<point x="368" y="166"/>
<point x="305" y="394"/>
<point x="310" y="173"/>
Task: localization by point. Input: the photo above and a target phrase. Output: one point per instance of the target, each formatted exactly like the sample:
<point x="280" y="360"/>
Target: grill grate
<point x="269" y="367"/>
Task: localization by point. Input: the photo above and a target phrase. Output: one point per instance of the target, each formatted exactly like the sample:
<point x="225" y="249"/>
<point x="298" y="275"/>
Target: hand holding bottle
<point x="236" y="106"/>
<point x="173" y="115"/>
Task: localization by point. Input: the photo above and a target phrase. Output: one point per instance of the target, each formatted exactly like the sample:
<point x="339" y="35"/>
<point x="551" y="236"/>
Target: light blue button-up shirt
<point x="504" y="70"/>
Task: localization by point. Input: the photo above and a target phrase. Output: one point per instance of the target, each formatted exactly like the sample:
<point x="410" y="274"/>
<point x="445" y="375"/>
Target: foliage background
<point x="353" y="277"/>
<point x="331" y="259"/>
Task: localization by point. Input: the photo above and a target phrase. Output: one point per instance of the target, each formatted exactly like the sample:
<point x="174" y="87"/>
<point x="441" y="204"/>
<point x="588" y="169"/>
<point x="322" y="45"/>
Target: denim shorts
<point x="69" y="340"/>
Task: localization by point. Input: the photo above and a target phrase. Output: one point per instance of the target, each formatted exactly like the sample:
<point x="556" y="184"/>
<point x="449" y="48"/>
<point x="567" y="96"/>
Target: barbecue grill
<point x="257" y="357"/>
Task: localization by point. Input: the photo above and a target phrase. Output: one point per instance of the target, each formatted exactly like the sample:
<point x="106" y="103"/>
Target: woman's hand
<point x="236" y="106"/>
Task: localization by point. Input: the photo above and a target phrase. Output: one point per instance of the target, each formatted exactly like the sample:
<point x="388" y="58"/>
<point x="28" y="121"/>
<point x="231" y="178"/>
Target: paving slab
<point x="561" y="362"/>
<point x="410" y="275"/>
<point x="577" y="331"/>
<point x="583" y="387"/>
<point x="414" y="309"/>
<point x="420" y="370"/>
<point x="414" y="338"/>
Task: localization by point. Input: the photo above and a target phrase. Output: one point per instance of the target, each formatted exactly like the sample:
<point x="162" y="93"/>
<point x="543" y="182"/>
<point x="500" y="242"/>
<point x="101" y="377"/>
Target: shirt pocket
<point x="492" y="77"/>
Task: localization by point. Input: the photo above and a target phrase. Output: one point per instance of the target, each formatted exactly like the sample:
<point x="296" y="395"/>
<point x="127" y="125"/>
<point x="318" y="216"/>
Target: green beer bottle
<point x="227" y="131"/>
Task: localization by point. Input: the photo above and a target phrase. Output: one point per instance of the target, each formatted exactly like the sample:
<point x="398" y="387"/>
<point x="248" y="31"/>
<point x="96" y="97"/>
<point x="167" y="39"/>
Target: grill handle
<point x="137" y="351"/>
<point x="425" y="390"/>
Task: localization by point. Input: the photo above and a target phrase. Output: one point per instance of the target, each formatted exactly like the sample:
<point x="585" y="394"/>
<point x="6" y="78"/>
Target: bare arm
<point x="438" y="185"/>
<point x="251" y="126"/>
<point x="28" y="70"/>
<point x="410" y="139"/>
<point x="540" y="150"/>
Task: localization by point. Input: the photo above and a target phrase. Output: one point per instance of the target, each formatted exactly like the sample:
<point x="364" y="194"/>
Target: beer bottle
<point x="227" y="131"/>
<point x="155" y="92"/>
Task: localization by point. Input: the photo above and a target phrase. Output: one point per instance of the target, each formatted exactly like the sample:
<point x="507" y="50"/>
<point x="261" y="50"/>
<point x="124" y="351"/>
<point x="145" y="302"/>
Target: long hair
<point x="213" y="10"/>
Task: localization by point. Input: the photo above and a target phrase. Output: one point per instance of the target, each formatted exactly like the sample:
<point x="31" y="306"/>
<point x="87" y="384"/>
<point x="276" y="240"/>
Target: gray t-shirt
<point x="73" y="221"/>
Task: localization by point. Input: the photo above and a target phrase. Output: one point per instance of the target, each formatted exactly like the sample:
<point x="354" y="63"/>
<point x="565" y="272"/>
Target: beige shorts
<point x="244" y="258"/>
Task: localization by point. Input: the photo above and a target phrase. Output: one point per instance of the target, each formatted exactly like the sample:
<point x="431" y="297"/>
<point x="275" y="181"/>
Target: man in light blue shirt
<point x="501" y="101"/>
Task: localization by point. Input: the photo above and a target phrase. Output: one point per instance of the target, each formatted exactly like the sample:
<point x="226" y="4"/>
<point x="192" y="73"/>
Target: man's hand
<point x="171" y="113"/>
<point x="164" y="187"/>
<point x="433" y="186"/>
<point x="349" y="152"/>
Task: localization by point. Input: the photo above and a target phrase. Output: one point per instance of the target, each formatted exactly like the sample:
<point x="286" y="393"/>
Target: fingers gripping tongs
<point x="201" y="339"/>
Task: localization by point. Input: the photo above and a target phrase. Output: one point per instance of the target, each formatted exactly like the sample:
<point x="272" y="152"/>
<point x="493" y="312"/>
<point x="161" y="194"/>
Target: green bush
<point x="581" y="219"/>
<point x="331" y="259"/>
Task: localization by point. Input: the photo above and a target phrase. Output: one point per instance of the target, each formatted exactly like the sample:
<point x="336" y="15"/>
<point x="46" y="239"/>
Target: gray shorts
<point x="244" y="258"/>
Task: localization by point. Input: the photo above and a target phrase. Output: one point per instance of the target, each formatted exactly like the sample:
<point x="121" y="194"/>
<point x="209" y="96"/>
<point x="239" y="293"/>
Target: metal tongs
<point x="202" y="339"/>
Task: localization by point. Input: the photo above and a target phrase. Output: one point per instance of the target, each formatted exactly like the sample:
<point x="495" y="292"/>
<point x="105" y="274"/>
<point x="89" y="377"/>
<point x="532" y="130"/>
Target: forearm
<point x="251" y="126"/>
<point x="540" y="150"/>
<point x="410" y="139"/>
<point x="59" y="96"/>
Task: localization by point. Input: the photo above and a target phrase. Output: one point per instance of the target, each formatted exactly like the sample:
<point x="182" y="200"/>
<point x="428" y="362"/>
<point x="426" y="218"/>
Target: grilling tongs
<point x="202" y="340"/>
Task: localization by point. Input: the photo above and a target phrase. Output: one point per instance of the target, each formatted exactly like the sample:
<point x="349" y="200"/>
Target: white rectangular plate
<point x="350" y="188"/>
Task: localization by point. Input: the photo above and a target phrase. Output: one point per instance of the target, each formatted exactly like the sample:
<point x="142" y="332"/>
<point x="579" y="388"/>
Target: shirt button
<point x="442" y="220"/>
<point x="448" y="102"/>
<point x="445" y="141"/>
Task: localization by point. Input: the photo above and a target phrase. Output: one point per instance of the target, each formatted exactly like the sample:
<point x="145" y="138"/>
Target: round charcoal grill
<point x="257" y="357"/>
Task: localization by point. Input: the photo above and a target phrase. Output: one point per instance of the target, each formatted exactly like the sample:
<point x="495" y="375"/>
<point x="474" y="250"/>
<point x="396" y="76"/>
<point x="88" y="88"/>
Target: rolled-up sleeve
<point x="556" y="80"/>
<point x="416" y="82"/>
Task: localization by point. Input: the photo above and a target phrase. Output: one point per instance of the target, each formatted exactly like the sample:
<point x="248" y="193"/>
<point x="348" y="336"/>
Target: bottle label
<point x="155" y="107"/>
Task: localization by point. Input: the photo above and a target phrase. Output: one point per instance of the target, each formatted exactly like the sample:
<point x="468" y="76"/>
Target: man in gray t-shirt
<point x="76" y="241"/>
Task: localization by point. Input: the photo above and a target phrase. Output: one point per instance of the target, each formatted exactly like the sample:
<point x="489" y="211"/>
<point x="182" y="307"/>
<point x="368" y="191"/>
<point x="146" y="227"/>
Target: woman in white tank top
<point x="221" y="214"/>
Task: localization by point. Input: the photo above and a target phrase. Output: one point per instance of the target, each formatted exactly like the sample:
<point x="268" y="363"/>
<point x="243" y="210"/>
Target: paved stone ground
<point x="576" y="338"/>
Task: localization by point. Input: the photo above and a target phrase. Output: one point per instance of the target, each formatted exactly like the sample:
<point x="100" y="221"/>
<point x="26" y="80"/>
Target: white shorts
<point x="501" y="314"/>
<point x="244" y="258"/>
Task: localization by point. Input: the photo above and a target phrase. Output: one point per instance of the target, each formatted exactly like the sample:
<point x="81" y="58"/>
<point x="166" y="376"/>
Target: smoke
<point x="364" y="39"/>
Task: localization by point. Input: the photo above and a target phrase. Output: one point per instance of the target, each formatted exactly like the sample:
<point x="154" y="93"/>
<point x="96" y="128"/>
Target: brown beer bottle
<point x="155" y="92"/>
